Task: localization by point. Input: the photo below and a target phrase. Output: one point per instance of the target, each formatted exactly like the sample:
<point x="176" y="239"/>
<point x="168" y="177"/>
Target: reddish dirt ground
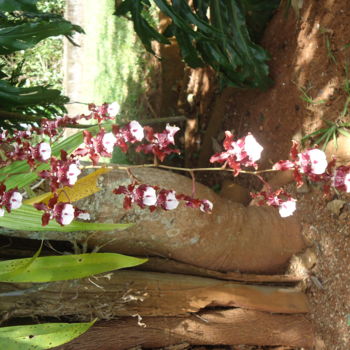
<point x="309" y="53"/>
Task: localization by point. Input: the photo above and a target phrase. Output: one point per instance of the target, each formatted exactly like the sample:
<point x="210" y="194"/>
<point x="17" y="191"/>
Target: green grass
<point x="114" y="58"/>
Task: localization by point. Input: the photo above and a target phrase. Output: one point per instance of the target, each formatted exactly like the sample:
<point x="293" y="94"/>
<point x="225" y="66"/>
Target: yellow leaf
<point x="84" y="187"/>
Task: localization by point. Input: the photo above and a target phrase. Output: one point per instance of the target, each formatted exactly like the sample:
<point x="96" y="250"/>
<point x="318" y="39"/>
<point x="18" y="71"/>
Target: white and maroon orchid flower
<point x="313" y="161"/>
<point x="147" y="195"/>
<point x="72" y="173"/>
<point x="64" y="213"/>
<point x="159" y="142"/>
<point x="10" y="200"/>
<point x="113" y="109"/>
<point x="136" y="131"/>
<point x="243" y="152"/>
<point x="287" y="208"/>
<point x="341" y="178"/>
<point x="206" y="206"/>
<point x="280" y="199"/>
<point x="41" y="152"/>
<point x="167" y="200"/>
<point x="108" y="142"/>
<point x="15" y="200"/>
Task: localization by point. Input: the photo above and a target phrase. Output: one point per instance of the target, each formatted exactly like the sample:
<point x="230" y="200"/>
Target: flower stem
<point x="189" y="170"/>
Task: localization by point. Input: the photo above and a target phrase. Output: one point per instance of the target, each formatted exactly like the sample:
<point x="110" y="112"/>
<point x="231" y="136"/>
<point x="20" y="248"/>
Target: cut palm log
<point x="228" y="327"/>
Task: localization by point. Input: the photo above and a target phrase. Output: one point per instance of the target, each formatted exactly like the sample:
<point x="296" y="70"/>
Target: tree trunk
<point x="125" y="293"/>
<point x="232" y="238"/>
<point x="229" y="327"/>
<point x="173" y="308"/>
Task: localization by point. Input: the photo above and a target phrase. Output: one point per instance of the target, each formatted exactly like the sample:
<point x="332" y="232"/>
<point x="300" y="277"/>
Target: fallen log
<point x="125" y="293"/>
<point x="228" y="327"/>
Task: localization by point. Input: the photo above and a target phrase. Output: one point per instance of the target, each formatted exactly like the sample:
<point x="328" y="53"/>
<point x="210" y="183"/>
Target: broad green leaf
<point x="13" y="267"/>
<point x="254" y="56"/>
<point x="257" y="14"/>
<point x="27" y="35"/>
<point x="145" y="32"/>
<point x="222" y="40"/>
<point x="40" y="336"/>
<point x="17" y="96"/>
<point x="64" y="267"/>
<point x="18" y="5"/>
<point x="27" y="218"/>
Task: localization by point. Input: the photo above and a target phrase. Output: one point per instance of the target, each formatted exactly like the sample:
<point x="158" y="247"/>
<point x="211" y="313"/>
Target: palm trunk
<point x="229" y="327"/>
<point x="159" y="309"/>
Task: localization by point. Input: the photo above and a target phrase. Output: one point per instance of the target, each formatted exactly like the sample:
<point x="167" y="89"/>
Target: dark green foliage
<point x="18" y="5"/>
<point x="257" y="14"/>
<point x="146" y="33"/>
<point x="22" y="26"/>
<point x="223" y="41"/>
<point x="27" y="35"/>
<point x="19" y="97"/>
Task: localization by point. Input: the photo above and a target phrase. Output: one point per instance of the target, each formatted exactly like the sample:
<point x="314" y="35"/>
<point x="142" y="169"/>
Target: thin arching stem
<point x="188" y="170"/>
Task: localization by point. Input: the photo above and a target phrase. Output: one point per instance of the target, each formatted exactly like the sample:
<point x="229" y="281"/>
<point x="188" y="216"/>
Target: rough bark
<point x="166" y="265"/>
<point x="229" y="327"/>
<point x="233" y="238"/>
<point x="126" y="293"/>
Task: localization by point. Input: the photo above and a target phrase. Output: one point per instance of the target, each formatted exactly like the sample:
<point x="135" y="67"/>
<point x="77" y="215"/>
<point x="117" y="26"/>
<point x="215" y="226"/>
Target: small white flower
<point x="16" y="200"/>
<point x="84" y="216"/>
<point x="67" y="214"/>
<point x="287" y="208"/>
<point x="149" y="196"/>
<point x="136" y="130"/>
<point x="2" y="212"/>
<point x="316" y="159"/>
<point x="206" y="206"/>
<point x="170" y="201"/>
<point x="45" y="150"/>
<point x="109" y="141"/>
<point x="252" y="147"/>
<point x="172" y="130"/>
<point x="73" y="173"/>
<point x="347" y="182"/>
<point x="113" y="109"/>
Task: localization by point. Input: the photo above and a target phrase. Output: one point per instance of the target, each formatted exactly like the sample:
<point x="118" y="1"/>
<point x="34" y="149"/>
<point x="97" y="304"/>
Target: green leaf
<point x="18" y="97"/>
<point x="344" y="132"/>
<point x="41" y="336"/>
<point x="20" y="266"/>
<point x="188" y="51"/>
<point x="18" y="5"/>
<point x="64" y="267"/>
<point x="145" y="32"/>
<point x="222" y="41"/>
<point x="317" y="132"/>
<point x="27" y="218"/>
<point x="257" y="14"/>
<point x="27" y="35"/>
